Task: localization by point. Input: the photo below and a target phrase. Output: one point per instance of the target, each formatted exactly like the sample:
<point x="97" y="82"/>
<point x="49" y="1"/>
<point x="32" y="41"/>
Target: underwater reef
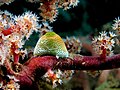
<point x="59" y="45"/>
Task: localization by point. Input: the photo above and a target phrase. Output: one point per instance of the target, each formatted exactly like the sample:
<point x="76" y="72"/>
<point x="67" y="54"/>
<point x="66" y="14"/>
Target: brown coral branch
<point x="37" y="66"/>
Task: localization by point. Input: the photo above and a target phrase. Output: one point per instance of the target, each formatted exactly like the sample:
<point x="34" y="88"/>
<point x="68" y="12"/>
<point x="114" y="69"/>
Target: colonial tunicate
<point x="51" y="44"/>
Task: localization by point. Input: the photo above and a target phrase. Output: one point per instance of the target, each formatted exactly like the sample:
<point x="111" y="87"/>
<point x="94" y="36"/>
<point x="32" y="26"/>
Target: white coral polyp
<point x="104" y="40"/>
<point x="17" y="27"/>
<point x="58" y="76"/>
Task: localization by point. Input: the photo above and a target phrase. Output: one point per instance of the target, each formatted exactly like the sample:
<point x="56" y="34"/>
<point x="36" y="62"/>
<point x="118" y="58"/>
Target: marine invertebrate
<point x="15" y="30"/>
<point x="5" y="2"/>
<point x="73" y="44"/>
<point x="116" y="25"/>
<point x="27" y="75"/>
<point x="49" y="9"/>
<point x="103" y="44"/>
<point x="12" y="83"/>
<point x="51" y="44"/>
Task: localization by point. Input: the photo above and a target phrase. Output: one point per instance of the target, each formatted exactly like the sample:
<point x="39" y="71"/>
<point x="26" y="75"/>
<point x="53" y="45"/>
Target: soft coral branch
<point x="90" y="63"/>
<point x="37" y="66"/>
<point x="14" y="47"/>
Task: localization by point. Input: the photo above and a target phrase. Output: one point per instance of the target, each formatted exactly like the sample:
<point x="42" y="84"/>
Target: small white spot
<point x="83" y="63"/>
<point x="57" y="57"/>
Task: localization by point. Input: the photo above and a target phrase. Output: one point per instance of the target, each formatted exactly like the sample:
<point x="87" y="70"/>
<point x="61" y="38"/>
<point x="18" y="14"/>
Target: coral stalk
<point x="90" y="63"/>
<point x="16" y="58"/>
<point x="37" y="66"/>
<point x="7" y="31"/>
<point x="14" y="47"/>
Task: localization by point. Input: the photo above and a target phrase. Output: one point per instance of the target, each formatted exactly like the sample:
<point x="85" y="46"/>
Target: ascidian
<point x="51" y="44"/>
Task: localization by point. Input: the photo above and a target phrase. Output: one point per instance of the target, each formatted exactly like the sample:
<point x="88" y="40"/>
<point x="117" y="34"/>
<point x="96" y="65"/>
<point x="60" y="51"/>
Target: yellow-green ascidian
<point x="51" y="44"/>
